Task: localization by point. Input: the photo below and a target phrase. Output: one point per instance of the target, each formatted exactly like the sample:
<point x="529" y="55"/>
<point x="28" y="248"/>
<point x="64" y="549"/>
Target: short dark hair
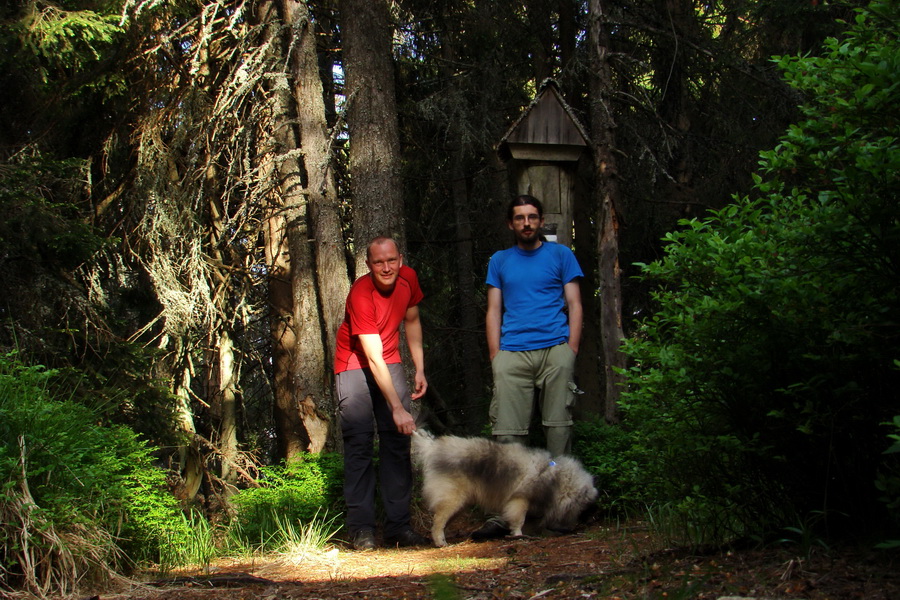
<point x="524" y="200"/>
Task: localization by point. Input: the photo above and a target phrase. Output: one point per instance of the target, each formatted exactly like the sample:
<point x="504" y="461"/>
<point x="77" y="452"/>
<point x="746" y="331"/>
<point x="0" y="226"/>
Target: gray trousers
<point x="363" y="410"/>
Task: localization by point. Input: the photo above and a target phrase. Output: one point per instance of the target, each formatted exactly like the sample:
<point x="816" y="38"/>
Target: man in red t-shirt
<point x="372" y="391"/>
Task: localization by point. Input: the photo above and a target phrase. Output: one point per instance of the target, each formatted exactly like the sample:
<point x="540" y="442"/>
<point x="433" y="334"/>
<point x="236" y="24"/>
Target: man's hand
<point x="404" y="421"/>
<point x="421" y="386"/>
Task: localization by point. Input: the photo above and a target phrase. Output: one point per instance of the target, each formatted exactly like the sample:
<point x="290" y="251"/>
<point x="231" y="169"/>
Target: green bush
<point x="757" y="389"/>
<point x="606" y="451"/>
<point x="888" y="481"/>
<point x="301" y="491"/>
<point x="84" y="499"/>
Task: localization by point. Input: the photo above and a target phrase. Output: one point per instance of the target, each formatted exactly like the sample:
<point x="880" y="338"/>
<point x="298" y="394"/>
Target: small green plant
<point x="297" y="492"/>
<point x="806" y="535"/>
<point x="442" y="587"/>
<point x="284" y="535"/>
<point x="193" y="544"/>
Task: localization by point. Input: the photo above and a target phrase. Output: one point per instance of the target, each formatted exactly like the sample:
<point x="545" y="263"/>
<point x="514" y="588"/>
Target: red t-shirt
<point x="370" y="311"/>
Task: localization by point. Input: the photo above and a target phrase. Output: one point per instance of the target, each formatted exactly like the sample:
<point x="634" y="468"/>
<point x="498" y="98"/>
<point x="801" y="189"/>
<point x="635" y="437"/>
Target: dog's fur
<point x="506" y="479"/>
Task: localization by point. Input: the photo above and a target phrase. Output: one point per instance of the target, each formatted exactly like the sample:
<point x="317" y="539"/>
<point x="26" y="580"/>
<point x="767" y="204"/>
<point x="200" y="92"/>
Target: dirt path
<point x="601" y="562"/>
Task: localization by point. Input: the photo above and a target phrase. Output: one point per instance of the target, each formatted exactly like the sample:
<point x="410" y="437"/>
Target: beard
<point x="528" y="237"/>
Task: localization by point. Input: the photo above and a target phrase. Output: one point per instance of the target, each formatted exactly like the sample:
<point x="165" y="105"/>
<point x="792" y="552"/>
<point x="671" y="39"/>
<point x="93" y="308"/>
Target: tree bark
<point x="333" y="281"/>
<point x="190" y="460"/>
<point x="607" y="197"/>
<point x="223" y="369"/>
<point x="226" y="399"/>
<point x="540" y="23"/>
<point x="297" y="334"/>
<point x="372" y="120"/>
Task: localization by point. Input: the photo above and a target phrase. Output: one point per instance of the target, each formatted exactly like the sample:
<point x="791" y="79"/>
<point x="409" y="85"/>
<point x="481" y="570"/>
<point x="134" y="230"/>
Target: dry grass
<point x="41" y="559"/>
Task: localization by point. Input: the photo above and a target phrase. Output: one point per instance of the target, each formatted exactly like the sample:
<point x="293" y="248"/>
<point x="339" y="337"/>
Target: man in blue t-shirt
<point x="533" y="324"/>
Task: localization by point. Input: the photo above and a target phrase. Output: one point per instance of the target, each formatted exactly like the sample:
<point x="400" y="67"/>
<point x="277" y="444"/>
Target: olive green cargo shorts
<point x="518" y="374"/>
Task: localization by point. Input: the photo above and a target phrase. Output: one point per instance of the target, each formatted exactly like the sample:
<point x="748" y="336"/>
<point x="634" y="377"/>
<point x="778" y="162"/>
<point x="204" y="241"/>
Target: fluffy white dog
<point x="506" y="479"/>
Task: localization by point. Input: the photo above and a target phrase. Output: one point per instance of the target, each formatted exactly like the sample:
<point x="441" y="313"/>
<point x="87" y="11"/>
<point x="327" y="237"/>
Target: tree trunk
<point x="590" y="379"/>
<point x="607" y="196"/>
<point x="223" y="376"/>
<point x="568" y="39"/>
<point x="333" y="280"/>
<point x="190" y="460"/>
<point x="471" y="334"/>
<point x="372" y="121"/>
<point x="226" y="400"/>
<point x="670" y="77"/>
<point x="298" y="354"/>
<point x="541" y="29"/>
<point x="291" y="439"/>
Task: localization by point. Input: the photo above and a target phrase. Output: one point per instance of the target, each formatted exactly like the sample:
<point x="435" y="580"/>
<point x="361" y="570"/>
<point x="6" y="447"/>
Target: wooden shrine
<point x="541" y="151"/>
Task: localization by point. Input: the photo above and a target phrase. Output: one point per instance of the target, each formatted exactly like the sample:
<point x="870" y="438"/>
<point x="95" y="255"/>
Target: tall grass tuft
<point x="298" y="492"/>
<point x="196" y="547"/>
<point x="301" y="540"/>
<point x="297" y="539"/>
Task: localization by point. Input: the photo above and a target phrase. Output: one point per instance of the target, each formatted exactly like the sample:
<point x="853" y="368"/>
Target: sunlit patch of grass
<point x="455" y="564"/>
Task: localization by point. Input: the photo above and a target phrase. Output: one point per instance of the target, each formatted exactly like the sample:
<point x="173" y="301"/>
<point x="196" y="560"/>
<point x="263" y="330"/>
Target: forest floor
<point x="601" y="561"/>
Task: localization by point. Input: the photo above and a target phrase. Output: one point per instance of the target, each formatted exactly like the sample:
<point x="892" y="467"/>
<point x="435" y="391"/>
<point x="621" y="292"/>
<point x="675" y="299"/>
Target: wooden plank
<point x="548" y="152"/>
<point x="547" y="122"/>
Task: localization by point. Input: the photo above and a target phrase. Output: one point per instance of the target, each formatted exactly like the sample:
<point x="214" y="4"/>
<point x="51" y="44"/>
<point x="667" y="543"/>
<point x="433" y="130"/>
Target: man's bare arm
<point x="493" y="320"/>
<point x="572" y="292"/>
<point x="374" y="350"/>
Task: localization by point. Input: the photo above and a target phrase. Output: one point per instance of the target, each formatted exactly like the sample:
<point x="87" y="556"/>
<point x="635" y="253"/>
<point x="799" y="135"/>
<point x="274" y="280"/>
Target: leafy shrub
<point x="888" y="481"/>
<point x="606" y="451"/>
<point x="301" y="491"/>
<point x="79" y="500"/>
<point x="757" y="388"/>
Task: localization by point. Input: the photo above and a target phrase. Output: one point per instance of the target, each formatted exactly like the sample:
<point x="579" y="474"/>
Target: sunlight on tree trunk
<point x="297" y="328"/>
<point x="332" y="279"/>
<point x="226" y="396"/>
<point x="191" y="466"/>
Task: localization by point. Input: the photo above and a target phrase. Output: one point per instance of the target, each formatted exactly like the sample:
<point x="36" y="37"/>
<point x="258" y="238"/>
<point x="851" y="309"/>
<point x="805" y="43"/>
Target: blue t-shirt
<point x="534" y="303"/>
